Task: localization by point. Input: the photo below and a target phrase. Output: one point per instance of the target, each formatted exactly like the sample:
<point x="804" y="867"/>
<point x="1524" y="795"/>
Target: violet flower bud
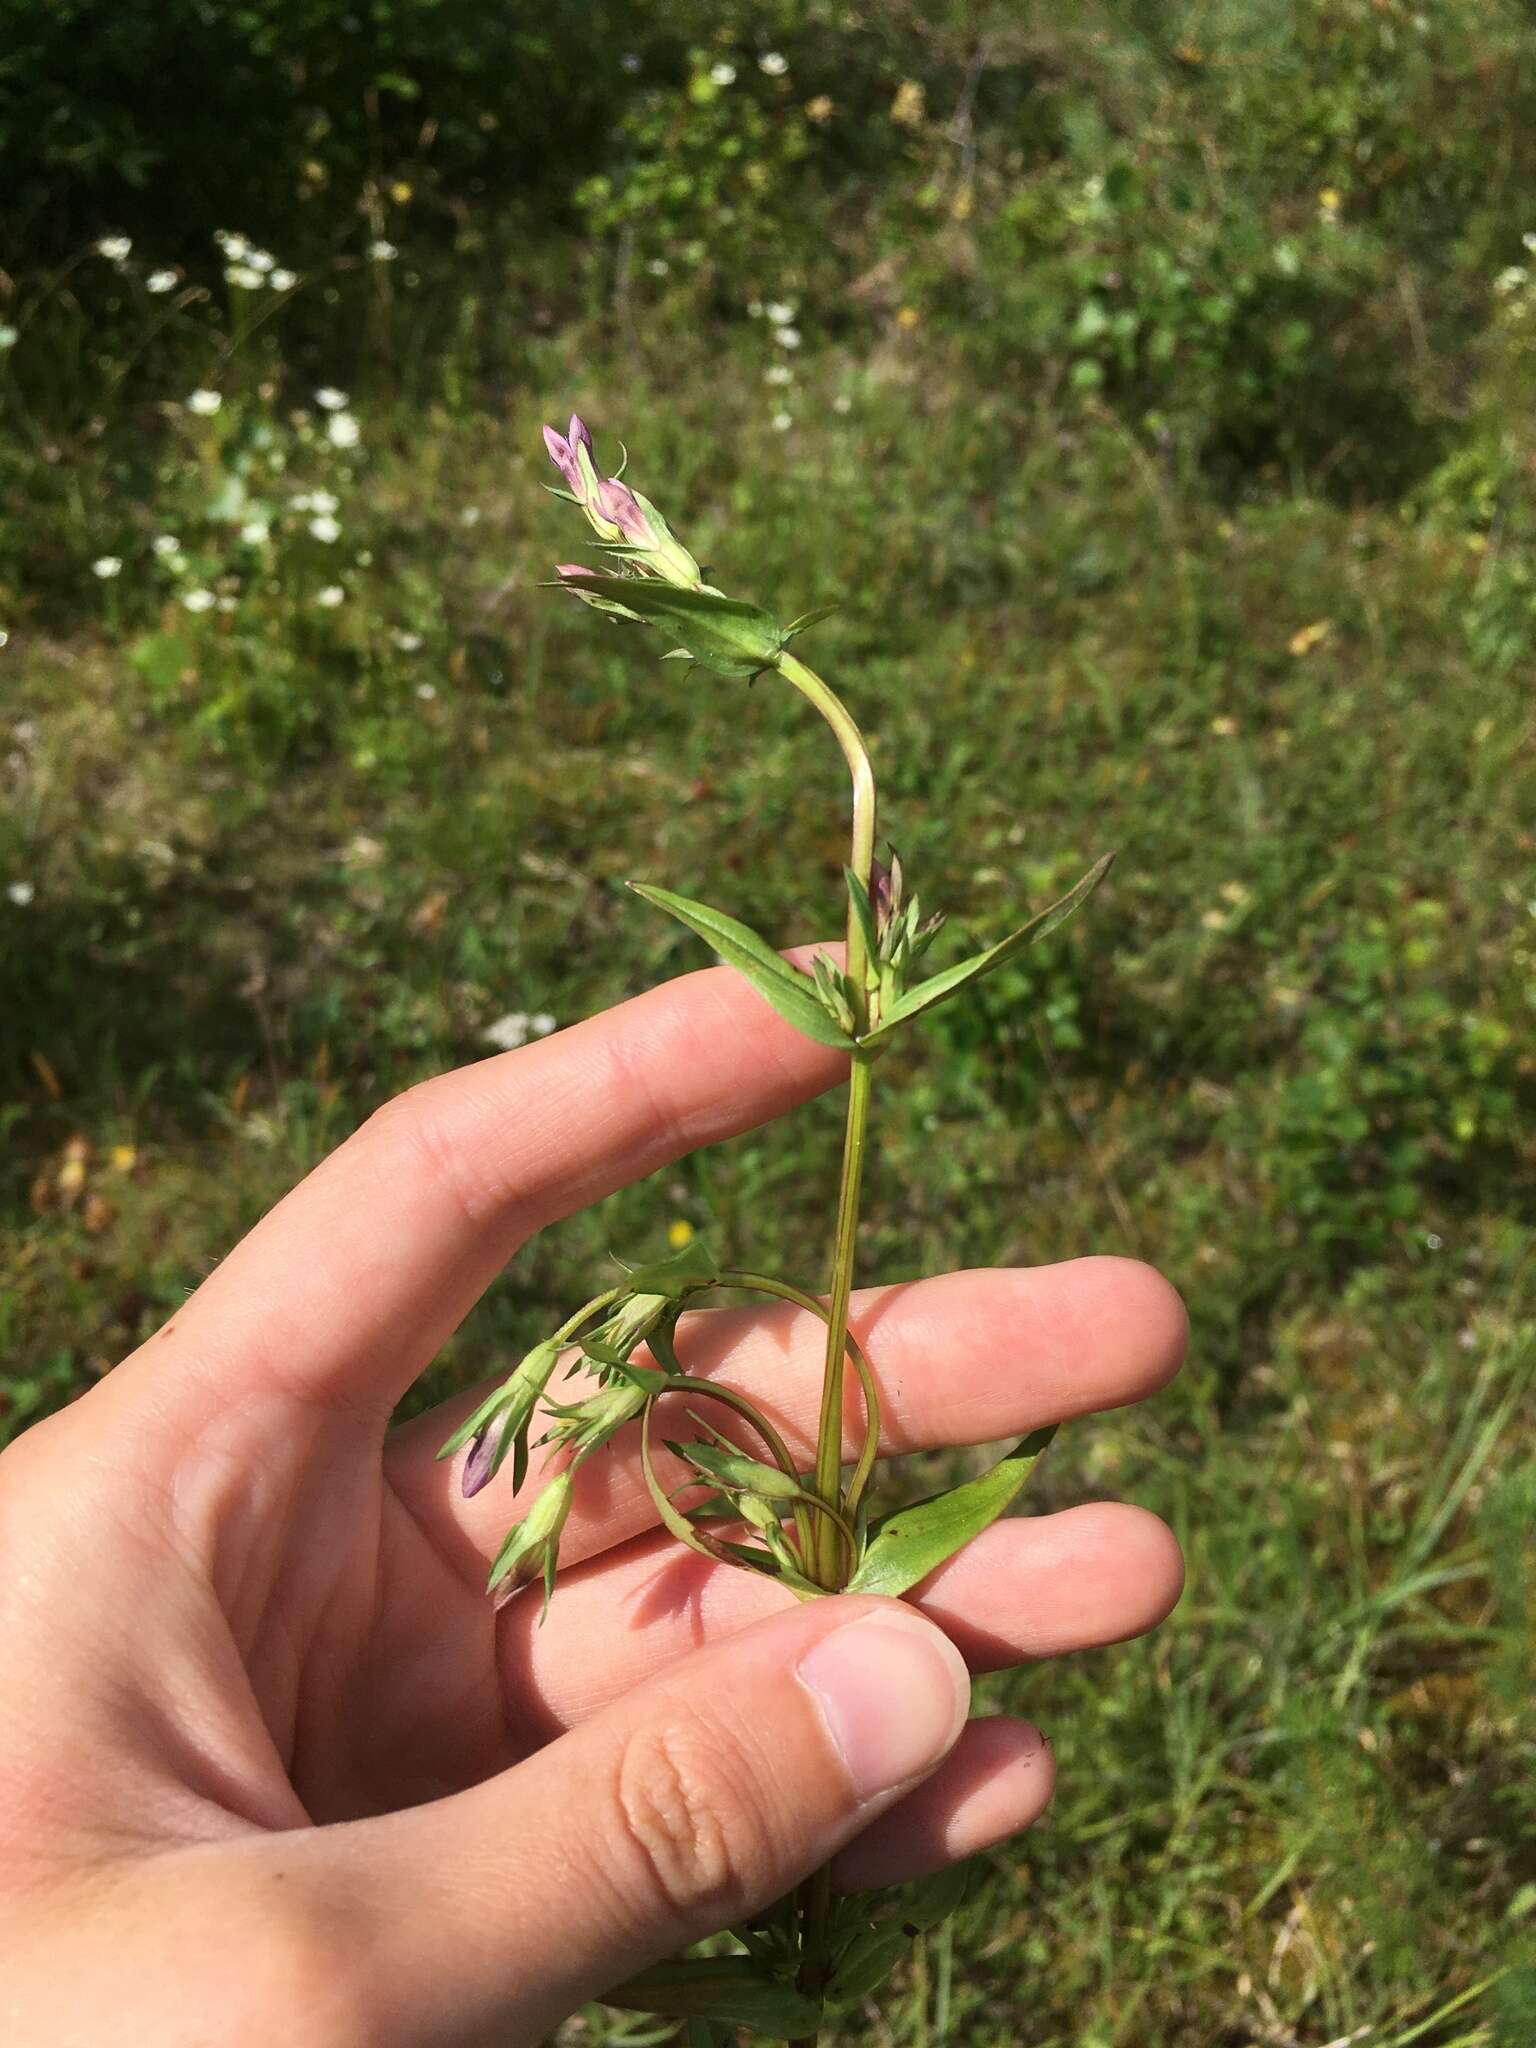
<point x="480" y="1465"/>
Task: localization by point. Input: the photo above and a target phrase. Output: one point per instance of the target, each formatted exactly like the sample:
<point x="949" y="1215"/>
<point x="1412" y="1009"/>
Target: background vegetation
<point x="1154" y="381"/>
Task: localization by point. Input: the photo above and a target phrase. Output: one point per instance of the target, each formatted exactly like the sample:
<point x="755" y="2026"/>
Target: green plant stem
<point x="830" y="1566"/>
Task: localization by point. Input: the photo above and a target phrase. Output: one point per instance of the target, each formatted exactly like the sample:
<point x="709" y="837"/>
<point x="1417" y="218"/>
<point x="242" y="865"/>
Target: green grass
<point x="1284" y="1055"/>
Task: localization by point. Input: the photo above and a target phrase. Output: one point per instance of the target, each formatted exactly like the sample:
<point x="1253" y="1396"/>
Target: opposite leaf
<point x="729" y="1989"/>
<point x="945" y="984"/>
<point x="790" y="992"/>
<point x="915" y="1541"/>
<point x="720" y="633"/>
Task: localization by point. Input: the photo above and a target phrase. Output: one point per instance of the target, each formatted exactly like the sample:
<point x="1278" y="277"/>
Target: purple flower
<point x="480" y="1463"/>
<point x="562" y="452"/>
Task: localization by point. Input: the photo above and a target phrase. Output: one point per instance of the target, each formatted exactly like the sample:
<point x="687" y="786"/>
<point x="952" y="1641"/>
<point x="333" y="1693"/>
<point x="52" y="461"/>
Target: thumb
<point x="698" y="1798"/>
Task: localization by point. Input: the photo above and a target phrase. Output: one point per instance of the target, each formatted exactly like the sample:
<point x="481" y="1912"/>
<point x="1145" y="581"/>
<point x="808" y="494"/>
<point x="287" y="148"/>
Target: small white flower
<point x="227" y="603"/>
<point x="325" y="528"/>
<point x="205" y="402"/>
<point x="783" y="421"/>
<point x="107" y="566"/>
<point x="406" y="642"/>
<point x="658" y="266"/>
<point x="787" y="337"/>
<point x="242" y="275"/>
<point x="426" y="692"/>
<point x="781" y="311"/>
<point x="755" y="309"/>
<point x="20" y="893"/>
<point x="283" y="280"/>
<point x="255" y="533"/>
<point x="330" y="596"/>
<point x="516" y="1028"/>
<point x="4" y="636"/>
<point x="342" y="430"/>
<point x="722" y="73"/>
<point x="774" y="62"/>
<point x="381" y="251"/>
<point x="842" y="402"/>
<point x="470" y="516"/>
<point x="329" y="399"/>
<point x="260" y="260"/>
<point x="159" y="281"/>
<point x="116" y="248"/>
<point x="1510" y="280"/>
<point x="630" y="62"/>
<point x="9" y="336"/>
<point x="320" y="501"/>
<point x="199" y="600"/>
<point x="778" y="373"/>
<point x="165" y="544"/>
<point x="235" y="247"/>
<point x="1528" y="240"/>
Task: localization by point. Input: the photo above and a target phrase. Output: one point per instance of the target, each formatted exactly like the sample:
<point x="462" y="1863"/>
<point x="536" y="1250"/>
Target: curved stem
<point x="862" y="852"/>
<point x="760" y="1283"/>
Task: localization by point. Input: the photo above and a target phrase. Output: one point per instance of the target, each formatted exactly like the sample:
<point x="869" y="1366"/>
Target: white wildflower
<point x="165" y="544"/>
<point x="381" y="251"/>
<point x="722" y="73"/>
<point x="658" y="266"/>
<point x="774" y="62"/>
<point x="321" y="501"/>
<point x="9" y="336"/>
<point x="406" y="642"/>
<point x="20" y="893"/>
<point x="329" y="399"/>
<point x="243" y="276"/>
<point x="842" y="402"/>
<point x="1510" y="280"/>
<point x="260" y="259"/>
<point x="227" y="603"/>
<point x="783" y="421"/>
<point x="199" y="600"/>
<point x="159" y="281"/>
<point x="516" y="1028"/>
<point x="755" y="309"/>
<point x="781" y="311"/>
<point x="426" y="692"/>
<point x="1528" y="240"/>
<point x="787" y="337"/>
<point x="325" y="528"/>
<point x="205" y="402"/>
<point x="107" y="566"/>
<point x="255" y="533"/>
<point x="342" y="430"/>
<point x="778" y="373"/>
<point x="470" y="516"/>
<point x="116" y="248"/>
<point x="235" y="247"/>
<point x="331" y="596"/>
<point x="283" y="280"/>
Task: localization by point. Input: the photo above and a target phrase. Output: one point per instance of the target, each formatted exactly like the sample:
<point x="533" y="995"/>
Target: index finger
<point x="346" y="1290"/>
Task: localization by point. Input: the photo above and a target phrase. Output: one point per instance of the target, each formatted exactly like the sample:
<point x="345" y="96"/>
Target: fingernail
<point x="894" y="1695"/>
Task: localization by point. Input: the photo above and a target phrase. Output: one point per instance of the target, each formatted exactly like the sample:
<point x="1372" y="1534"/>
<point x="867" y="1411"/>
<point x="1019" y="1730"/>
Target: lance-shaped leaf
<point x="915" y="1541"/>
<point x="735" y="1469"/>
<point x="676" y="1274"/>
<point x="730" y="1989"/>
<point x="943" y="985"/>
<point x="721" y="633"/>
<point x="866" y="1963"/>
<point x="790" y="992"/>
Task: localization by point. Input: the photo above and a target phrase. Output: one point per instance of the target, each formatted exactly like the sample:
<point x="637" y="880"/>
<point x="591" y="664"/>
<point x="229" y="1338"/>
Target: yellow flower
<point x="680" y="1232"/>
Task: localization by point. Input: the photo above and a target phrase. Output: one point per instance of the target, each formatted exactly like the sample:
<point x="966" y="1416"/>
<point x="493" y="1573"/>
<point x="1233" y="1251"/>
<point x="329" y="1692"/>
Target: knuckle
<point x="416" y="1136"/>
<point x="698" y="1828"/>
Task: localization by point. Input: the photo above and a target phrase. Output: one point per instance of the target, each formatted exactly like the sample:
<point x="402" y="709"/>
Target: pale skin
<point x="272" y="1769"/>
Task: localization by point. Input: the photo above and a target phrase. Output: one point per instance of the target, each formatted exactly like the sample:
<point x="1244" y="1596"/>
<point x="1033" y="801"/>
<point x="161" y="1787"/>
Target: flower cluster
<point x="626" y="524"/>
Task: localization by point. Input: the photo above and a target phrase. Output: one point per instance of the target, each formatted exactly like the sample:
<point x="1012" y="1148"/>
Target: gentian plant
<point x="798" y="1966"/>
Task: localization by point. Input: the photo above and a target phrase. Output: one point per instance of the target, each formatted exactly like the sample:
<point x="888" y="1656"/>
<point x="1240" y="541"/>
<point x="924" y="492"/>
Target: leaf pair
<point x="809" y="1005"/>
<point x="724" y="634"/>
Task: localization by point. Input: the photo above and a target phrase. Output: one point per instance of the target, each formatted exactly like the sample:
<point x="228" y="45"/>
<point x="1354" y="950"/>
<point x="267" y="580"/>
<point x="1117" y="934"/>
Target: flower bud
<point x="532" y="1545"/>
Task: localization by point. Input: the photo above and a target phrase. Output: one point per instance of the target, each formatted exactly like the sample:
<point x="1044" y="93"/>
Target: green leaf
<point x="864" y="911"/>
<point x="915" y="1541"/>
<point x="931" y="1900"/>
<point x="789" y="991"/>
<point x="721" y="633"/>
<point x="813" y="617"/>
<point x="736" y="1469"/>
<point x="945" y="984"/>
<point x="866" y="1963"/>
<point x="727" y="1989"/>
<point x="677" y="1274"/>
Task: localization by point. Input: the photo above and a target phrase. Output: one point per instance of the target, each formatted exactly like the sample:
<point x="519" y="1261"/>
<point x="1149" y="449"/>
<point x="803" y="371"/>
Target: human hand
<point x="269" y="1762"/>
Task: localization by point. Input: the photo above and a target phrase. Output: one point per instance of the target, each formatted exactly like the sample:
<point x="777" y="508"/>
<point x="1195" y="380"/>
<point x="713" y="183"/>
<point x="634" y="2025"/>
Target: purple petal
<point x="617" y="502"/>
<point x="572" y="569"/>
<point x="563" y="457"/>
<point x="580" y="435"/>
<point x="477" y="1466"/>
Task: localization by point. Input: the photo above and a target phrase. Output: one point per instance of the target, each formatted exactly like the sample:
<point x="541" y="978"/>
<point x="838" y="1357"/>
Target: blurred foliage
<point x="1154" y="383"/>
